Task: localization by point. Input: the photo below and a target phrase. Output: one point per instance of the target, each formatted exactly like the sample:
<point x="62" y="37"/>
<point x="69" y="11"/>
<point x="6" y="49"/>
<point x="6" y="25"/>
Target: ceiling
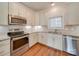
<point x="41" y="5"/>
<point x="37" y="5"/>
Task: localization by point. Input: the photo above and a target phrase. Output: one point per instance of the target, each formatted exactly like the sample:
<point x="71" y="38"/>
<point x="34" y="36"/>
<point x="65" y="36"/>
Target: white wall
<point x="57" y="10"/>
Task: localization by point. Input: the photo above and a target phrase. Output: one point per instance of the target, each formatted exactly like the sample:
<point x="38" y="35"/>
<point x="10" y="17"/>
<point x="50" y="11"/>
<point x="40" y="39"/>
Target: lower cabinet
<point x="5" y="48"/>
<point x="51" y="40"/>
<point x="58" y="42"/>
<point x="32" y="39"/>
<point x="42" y="38"/>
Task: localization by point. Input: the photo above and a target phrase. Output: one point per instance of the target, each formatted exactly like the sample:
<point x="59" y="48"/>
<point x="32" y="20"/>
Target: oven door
<point x="16" y="20"/>
<point x="19" y="45"/>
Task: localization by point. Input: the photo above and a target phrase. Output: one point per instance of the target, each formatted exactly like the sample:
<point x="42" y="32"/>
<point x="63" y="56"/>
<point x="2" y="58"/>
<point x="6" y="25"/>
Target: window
<point x="55" y="22"/>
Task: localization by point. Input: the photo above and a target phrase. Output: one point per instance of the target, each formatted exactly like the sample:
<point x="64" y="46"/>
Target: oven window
<point x="20" y="42"/>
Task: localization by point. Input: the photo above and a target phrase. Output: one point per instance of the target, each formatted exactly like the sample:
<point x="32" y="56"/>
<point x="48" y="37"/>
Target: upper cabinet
<point x="18" y="9"/>
<point x="40" y="18"/>
<point x="4" y="13"/>
<point x="73" y="14"/>
<point x="15" y="9"/>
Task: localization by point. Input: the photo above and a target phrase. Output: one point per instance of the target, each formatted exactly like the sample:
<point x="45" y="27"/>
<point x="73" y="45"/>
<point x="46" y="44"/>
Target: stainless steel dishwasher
<point x="71" y="45"/>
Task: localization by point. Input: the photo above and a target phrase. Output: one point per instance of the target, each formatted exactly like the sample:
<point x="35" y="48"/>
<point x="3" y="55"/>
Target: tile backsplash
<point x="27" y="29"/>
<point x="5" y="29"/>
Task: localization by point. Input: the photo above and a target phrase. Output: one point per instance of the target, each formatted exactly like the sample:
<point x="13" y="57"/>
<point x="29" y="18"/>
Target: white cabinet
<point x="18" y="9"/>
<point x="42" y="38"/>
<point x="13" y="8"/>
<point x="73" y="14"/>
<point x="51" y="40"/>
<point x="55" y="41"/>
<point x="3" y="13"/>
<point x="32" y="39"/>
<point x="40" y="18"/>
<point x="58" y="42"/>
<point x="36" y="21"/>
<point x="5" y="48"/>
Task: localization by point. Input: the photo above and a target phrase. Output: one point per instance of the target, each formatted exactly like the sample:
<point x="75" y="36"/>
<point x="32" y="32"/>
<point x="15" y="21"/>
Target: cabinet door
<point x="73" y="14"/>
<point x="42" y="38"/>
<point x="51" y="40"/>
<point x="32" y="39"/>
<point x="58" y="42"/>
<point x="4" y="13"/>
<point x="55" y="41"/>
<point x="42" y="18"/>
<point x="5" y="48"/>
<point x="13" y="8"/>
<point x="21" y="9"/>
<point x="36" y="19"/>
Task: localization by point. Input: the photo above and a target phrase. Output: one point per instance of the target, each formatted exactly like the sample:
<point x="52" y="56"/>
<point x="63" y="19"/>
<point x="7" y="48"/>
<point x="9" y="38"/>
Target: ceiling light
<point x="52" y="4"/>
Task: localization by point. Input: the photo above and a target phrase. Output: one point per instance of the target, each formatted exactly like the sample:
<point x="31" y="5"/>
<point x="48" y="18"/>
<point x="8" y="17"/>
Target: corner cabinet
<point x="3" y="13"/>
<point x="40" y="18"/>
<point x="32" y="39"/>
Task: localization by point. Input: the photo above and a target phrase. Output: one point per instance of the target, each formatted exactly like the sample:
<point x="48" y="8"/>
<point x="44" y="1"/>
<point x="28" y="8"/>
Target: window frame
<point x="62" y="23"/>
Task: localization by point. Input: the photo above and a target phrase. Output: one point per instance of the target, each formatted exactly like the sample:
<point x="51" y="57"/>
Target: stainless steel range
<point x="19" y="42"/>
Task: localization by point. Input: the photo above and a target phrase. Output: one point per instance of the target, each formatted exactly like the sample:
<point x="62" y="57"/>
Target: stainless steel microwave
<point x="16" y="20"/>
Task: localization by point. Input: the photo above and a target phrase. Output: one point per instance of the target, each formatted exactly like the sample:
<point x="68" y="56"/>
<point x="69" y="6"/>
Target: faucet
<point x="55" y="30"/>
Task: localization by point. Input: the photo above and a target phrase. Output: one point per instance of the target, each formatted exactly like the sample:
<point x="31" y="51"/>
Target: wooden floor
<point x="41" y="50"/>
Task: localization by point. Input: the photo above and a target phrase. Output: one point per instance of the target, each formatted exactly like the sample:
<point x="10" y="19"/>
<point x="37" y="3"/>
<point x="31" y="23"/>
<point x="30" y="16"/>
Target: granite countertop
<point x="4" y="37"/>
<point x="60" y="33"/>
<point x="66" y="34"/>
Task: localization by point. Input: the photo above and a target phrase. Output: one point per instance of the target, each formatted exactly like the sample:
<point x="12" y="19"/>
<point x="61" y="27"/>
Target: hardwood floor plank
<point x="32" y="51"/>
<point x="42" y="50"/>
<point x="46" y="52"/>
<point x="59" y="53"/>
<point x="52" y="52"/>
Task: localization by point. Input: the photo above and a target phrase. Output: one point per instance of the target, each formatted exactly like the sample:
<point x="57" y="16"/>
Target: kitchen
<point x="29" y="28"/>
